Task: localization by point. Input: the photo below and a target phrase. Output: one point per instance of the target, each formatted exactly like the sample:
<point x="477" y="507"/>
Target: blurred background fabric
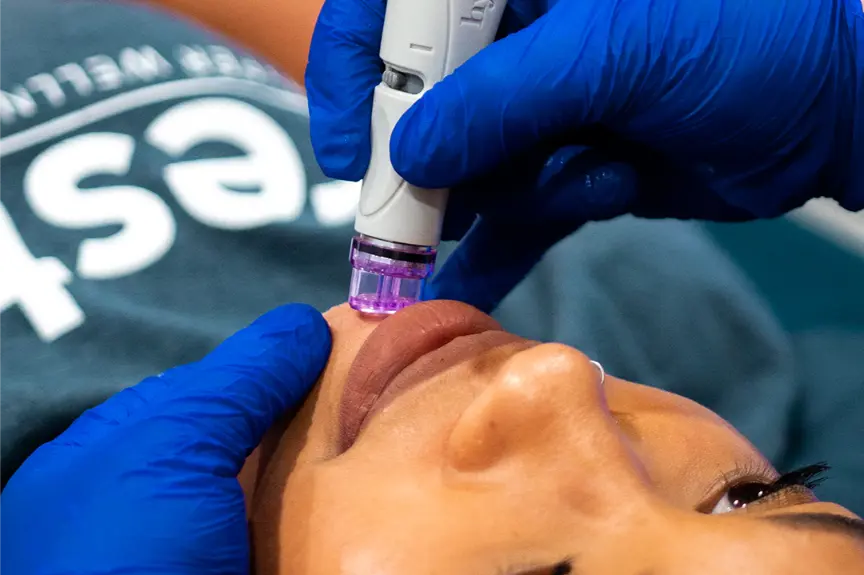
<point x="762" y="322"/>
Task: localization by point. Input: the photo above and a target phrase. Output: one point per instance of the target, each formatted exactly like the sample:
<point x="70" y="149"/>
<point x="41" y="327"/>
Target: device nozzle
<point x="387" y="276"/>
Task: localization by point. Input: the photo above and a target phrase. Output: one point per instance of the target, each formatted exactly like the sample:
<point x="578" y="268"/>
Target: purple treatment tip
<point x="387" y="276"/>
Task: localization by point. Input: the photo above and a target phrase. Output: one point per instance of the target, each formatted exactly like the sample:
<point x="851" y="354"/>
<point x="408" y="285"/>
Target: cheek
<point x="684" y="448"/>
<point x="684" y="456"/>
<point x="252" y="472"/>
<point x="248" y="478"/>
<point x="297" y="528"/>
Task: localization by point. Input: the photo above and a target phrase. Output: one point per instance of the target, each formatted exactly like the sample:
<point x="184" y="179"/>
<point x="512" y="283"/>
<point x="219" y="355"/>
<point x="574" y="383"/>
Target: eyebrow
<point x="564" y="567"/>
<point x="824" y="522"/>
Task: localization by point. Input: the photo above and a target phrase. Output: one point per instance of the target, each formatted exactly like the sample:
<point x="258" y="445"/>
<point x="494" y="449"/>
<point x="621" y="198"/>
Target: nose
<point x="545" y="412"/>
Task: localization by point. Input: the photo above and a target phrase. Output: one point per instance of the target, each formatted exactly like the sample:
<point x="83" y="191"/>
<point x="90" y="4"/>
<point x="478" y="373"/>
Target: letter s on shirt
<point x="51" y="189"/>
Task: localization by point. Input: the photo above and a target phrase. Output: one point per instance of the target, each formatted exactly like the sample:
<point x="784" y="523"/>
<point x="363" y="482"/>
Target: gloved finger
<point x="490" y="193"/>
<point x="518" y="15"/>
<point x="341" y="75"/>
<point x="484" y="114"/>
<point x="458" y="218"/>
<point x="218" y="409"/>
<point x="499" y="251"/>
<point x="669" y="190"/>
<point x="487" y="264"/>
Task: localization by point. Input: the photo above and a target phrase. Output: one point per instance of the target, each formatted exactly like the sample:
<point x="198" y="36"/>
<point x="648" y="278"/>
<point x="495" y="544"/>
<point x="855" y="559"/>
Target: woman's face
<point x="438" y="444"/>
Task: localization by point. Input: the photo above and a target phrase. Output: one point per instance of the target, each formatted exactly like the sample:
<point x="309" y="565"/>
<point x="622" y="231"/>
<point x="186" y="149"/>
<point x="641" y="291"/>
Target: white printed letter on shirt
<point x="271" y="168"/>
<point x="51" y="188"/>
<point x="35" y="285"/>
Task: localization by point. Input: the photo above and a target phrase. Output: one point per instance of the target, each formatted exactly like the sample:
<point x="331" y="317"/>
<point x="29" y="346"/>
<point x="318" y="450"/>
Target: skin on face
<point x="513" y="461"/>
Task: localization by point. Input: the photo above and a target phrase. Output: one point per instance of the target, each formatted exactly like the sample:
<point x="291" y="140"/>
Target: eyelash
<point x="808" y="477"/>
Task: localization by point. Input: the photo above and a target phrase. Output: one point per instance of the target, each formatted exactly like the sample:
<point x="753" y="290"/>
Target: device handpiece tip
<point x="387" y="276"/>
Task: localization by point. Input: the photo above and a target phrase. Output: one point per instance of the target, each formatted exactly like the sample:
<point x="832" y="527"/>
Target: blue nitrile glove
<point x="147" y="481"/>
<point x="718" y="110"/>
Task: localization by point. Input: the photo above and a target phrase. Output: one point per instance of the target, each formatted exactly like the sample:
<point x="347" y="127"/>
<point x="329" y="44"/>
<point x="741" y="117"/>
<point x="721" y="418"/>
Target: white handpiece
<point x="423" y="41"/>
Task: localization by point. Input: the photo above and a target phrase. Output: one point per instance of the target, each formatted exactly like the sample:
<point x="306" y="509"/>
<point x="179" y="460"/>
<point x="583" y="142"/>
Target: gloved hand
<point x="589" y="109"/>
<point x="147" y="481"/>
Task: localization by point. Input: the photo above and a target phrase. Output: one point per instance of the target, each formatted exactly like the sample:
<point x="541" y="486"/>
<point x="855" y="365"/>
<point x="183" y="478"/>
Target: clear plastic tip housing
<point x="387" y="276"/>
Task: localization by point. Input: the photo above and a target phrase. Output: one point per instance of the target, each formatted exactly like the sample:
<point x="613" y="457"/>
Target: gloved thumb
<point x="503" y="246"/>
<point x="217" y="410"/>
<point x="498" y="105"/>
